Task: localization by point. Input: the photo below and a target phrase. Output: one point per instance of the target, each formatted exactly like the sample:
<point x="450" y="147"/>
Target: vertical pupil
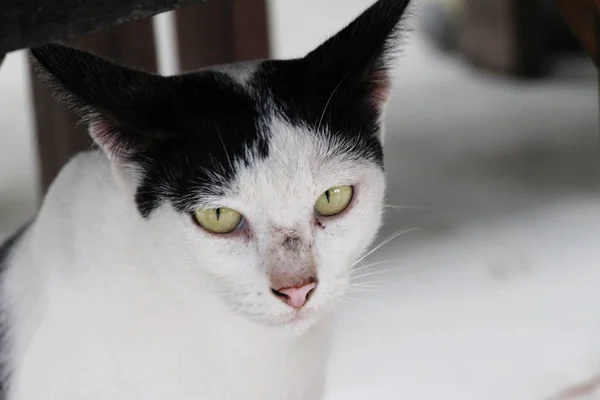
<point x="327" y="196"/>
<point x="218" y="212"/>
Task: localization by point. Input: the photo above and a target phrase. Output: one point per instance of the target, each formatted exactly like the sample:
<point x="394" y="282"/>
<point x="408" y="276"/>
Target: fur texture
<point x="115" y="293"/>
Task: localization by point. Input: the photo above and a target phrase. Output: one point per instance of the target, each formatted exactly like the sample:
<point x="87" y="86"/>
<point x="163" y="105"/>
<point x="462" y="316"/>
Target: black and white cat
<point x="199" y="254"/>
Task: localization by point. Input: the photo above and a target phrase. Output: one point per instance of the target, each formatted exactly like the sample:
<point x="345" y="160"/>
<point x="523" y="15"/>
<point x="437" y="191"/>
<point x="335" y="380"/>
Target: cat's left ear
<point x="125" y="108"/>
<point x="362" y="54"/>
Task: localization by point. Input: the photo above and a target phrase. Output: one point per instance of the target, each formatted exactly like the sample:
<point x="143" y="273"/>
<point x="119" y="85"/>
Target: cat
<point x="200" y="251"/>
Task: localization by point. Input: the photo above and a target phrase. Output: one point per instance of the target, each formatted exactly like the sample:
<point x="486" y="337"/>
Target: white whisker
<point x="370" y="265"/>
<point x="383" y="271"/>
<point x="364" y="286"/>
<point x="329" y="101"/>
<point x="405" y="207"/>
<point x="386" y="241"/>
<point x="356" y="299"/>
<point x="361" y="290"/>
<point x="367" y="283"/>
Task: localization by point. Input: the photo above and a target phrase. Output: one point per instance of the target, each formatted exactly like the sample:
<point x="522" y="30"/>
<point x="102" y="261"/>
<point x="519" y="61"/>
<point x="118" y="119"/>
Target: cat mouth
<point x="296" y="318"/>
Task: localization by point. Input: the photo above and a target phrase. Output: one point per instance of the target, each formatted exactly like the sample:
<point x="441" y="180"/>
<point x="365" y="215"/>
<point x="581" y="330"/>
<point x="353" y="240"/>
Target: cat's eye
<point x="334" y="200"/>
<point x="218" y="220"/>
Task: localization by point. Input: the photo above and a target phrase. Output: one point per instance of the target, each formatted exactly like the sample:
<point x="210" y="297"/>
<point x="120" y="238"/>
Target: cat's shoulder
<point x="87" y="166"/>
<point x="86" y="173"/>
<point x="85" y="180"/>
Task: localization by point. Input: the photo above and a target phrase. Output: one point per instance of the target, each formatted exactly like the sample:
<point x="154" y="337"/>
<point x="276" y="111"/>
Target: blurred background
<point x="491" y="288"/>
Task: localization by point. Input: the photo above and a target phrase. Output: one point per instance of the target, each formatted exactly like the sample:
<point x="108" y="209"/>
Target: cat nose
<point x="295" y="296"/>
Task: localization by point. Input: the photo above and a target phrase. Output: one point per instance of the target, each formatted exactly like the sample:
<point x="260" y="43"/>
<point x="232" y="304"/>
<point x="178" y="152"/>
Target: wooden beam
<point x="28" y="23"/>
<point x="218" y="32"/>
<point x="59" y="135"/>
<point x="583" y="16"/>
<point x="503" y="35"/>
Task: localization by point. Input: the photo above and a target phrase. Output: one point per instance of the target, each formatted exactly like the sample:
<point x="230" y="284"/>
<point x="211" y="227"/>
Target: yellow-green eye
<point x="334" y="200"/>
<point x="218" y="220"/>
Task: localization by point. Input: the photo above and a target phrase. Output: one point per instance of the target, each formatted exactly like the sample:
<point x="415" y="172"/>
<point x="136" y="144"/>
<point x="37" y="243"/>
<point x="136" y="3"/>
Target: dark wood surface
<point x="221" y="32"/>
<point x="27" y="23"/>
<point x="58" y="131"/>
<point x="583" y="16"/>
<point x="502" y="35"/>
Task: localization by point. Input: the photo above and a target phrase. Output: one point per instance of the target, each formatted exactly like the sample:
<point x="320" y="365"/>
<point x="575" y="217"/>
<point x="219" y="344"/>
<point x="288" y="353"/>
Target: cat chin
<point x="294" y="323"/>
<point x="296" y="326"/>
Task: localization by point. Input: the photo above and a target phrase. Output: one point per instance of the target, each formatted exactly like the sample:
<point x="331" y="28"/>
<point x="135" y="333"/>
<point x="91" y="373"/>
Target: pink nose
<point x="295" y="296"/>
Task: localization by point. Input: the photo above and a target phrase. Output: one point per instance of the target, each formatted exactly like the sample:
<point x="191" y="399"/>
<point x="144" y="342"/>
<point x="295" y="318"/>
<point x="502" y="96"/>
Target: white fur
<point x="104" y="304"/>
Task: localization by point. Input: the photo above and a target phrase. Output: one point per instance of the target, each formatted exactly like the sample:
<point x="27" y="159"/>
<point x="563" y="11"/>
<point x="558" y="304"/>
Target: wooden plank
<point x="502" y="35"/>
<point x="221" y="32"/>
<point x="58" y="133"/>
<point x="32" y="22"/>
<point x="583" y="16"/>
<point x="200" y="39"/>
<point x="250" y="34"/>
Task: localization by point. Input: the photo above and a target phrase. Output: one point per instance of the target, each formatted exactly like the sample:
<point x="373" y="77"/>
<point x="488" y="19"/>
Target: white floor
<point x="497" y="296"/>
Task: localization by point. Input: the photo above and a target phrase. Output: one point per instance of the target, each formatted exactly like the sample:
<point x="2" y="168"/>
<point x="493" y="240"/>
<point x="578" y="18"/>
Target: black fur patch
<point x="5" y="250"/>
<point x="214" y="122"/>
<point x="305" y="98"/>
<point x="184" y="133"/>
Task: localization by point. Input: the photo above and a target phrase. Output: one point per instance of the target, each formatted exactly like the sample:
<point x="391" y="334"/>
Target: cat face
<point x="260" y="182"/>
<point x="282" y="242"/>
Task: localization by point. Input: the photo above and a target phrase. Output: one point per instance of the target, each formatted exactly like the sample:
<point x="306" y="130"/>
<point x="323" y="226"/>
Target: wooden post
<point x="582" y="17"/>
<point x="224" y="31"/>
<point x="59" y="134"/>
<point x="503" y="35"/>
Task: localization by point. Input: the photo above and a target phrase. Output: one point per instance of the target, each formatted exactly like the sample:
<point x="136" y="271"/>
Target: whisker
<point x="386" y="241"/>
<point x="364" y="286"/>
<point x="376" y="283"/>
<point x="370" y="265"/>
<point x="361" y="290"/>
<point x="329" y="101"/>
<point x="405" y="207"/>
<point x="383" y="271"/>
<point x="363" y="301"/>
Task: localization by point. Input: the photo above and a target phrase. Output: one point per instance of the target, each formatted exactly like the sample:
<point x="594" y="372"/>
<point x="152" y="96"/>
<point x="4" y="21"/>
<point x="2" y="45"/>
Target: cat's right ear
<point x="360" y="57"/>
<point x="117" y="102"/>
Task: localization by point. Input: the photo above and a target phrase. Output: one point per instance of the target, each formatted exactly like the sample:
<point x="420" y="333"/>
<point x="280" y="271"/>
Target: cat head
<point x="263" y="180"/>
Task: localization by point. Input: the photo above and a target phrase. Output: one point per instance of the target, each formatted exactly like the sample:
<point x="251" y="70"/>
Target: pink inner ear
<point x="107" y="136"/>
<point x="380" y="88"/>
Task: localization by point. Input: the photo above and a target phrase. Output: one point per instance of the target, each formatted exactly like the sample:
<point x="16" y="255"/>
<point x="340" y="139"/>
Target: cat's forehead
<point x="299" y="161"/>
<point x="280" y="190"/>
